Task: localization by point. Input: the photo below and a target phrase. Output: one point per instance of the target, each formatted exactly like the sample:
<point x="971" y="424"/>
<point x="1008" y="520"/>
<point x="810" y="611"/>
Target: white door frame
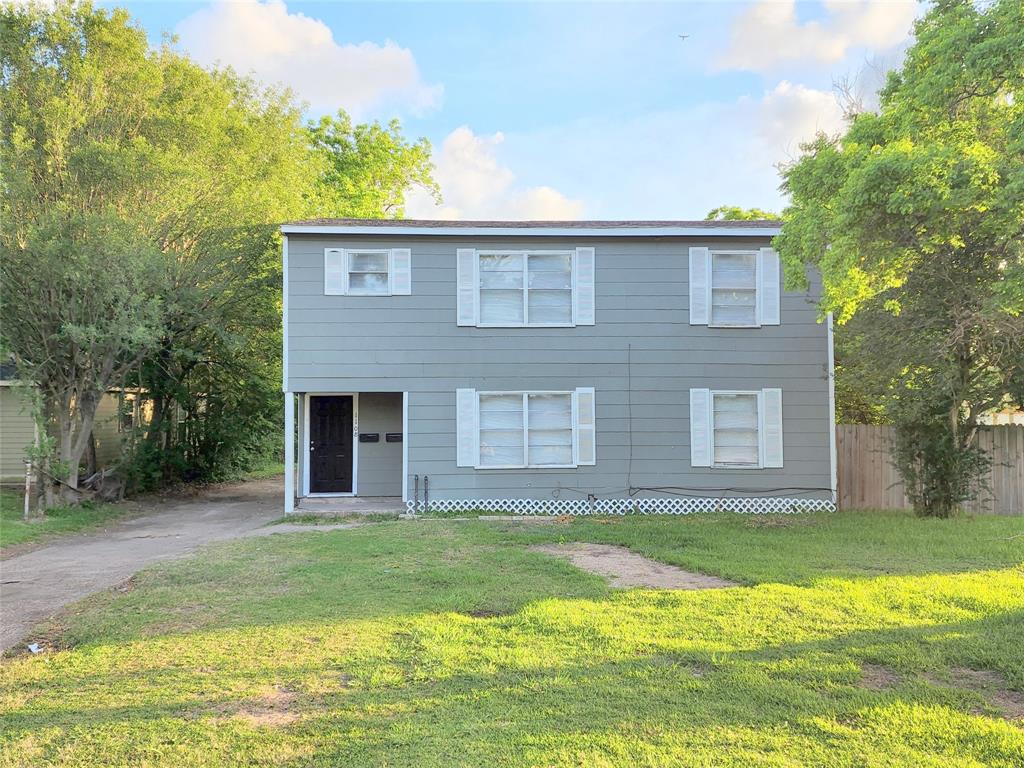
<point x="405" y="446"/>
<point x="355" y="443"/>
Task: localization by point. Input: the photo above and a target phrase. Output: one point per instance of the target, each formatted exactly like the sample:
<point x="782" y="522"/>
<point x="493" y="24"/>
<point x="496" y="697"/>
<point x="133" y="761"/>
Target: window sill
<point x="528" y="466"/>
<point x="736" y="466"/>
<point x="531" y="325"/>
<point x="740" y="327"/>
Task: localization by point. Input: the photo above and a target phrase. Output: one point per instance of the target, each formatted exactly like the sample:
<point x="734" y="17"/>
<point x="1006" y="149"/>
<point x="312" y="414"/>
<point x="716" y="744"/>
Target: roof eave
<point x="655" y="231"/>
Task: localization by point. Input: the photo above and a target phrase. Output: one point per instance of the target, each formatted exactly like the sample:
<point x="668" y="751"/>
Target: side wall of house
<point x="17" y="432"/>
<point x="105" y="431"/>
<point x="642" y="356"/>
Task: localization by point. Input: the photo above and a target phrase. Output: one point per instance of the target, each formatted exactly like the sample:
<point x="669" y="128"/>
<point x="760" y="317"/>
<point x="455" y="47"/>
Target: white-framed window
<point x="367" y="271"/>
<point x="502" y="288"/>
<point x="519" y="430"/>
<point x="734" y="288"/>
<point x="736" y="429"/>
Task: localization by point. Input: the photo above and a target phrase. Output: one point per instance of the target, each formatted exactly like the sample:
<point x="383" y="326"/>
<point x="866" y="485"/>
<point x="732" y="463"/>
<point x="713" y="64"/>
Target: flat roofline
<point x="552" y="229"/>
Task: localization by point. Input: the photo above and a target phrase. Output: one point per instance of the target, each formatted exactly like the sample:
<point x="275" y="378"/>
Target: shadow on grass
<point x="353" y="712"/>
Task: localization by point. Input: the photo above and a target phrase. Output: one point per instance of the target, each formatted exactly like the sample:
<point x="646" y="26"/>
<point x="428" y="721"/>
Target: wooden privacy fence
<point x="867" y="478"/>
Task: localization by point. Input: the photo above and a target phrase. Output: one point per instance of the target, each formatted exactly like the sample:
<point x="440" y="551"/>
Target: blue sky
<point x="564" y="110"/>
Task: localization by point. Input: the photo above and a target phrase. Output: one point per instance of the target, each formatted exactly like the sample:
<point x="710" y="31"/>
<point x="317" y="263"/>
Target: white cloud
<point x="790" y="114"/>
<point x="264" y="39"/>
<point x="680" y="163"/>
<point x="768" y="33"/>
<point x="475" y="185"/>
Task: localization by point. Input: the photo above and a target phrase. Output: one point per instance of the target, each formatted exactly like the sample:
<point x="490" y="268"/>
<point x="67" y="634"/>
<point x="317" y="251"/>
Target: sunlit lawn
<point x="447" y="643"/>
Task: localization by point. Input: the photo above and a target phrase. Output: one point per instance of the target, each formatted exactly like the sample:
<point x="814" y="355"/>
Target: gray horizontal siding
<point x="642" y="357"/>
<point x="380" y="464"/>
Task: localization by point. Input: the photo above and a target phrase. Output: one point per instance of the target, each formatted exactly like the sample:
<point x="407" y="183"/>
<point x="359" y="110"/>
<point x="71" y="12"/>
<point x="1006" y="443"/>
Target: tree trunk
<point x="74" y="421"/>
<point x="90" y="455"/>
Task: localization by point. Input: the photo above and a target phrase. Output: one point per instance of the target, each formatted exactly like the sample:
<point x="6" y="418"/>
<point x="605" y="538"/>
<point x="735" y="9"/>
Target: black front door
<point x="330" y="444"/>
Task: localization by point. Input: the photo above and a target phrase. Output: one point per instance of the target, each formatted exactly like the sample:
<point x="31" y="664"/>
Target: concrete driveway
<point x="38" y="584"/>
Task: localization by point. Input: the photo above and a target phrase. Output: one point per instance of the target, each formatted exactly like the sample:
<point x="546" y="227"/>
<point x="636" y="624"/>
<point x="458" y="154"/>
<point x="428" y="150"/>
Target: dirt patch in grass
<point x="486" y="613"/>
<point x="992" y="686"/>
<point x="625" y="568"/>
<point x="271" y="710"/>
<point x="875" y="677"/>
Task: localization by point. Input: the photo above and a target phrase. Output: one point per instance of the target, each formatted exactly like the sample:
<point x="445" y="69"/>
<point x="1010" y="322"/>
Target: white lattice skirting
<point x="678" y="505"/>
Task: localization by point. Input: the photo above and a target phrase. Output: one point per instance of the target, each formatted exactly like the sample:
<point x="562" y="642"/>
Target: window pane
<point x="501" y="262"/>
<point x="734" y="289"/>
<point x="550" y="429"/>
<point x="734" y="270"/>
<point x="501" y="430"/>
<point x="733" y="307"/>
<point x="368" y="282"/>
<point x="551" y="280"/>
<point x="501" y="447"/>
<point x="735" y="425"/>
<point x="550" y="411"/>
<point x="551" y="454"/>
<point x="550" y="271"/>
<point x="501" y="412"/>
<point x="550" y="262"/>
<point x="550" y="306"/>
<point x="744" y="456"/>
<point x="501" y="279"/>
<point x="368" y="262"/>
<point x="501" y="306"/>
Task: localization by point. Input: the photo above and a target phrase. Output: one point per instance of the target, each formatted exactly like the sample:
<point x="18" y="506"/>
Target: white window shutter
<point x="771" y="427"/>
<point x="467" y="428"/>
<point x="335" y="272"/>
<point x="401" y="272"/>
<point x="700" y="427"/>
<point x="584" y="420"/>
<point x="583" y="287"/>
<point x="769" y="288"/>
<point x="700" y="288"/>
<point x="467" y="280"/>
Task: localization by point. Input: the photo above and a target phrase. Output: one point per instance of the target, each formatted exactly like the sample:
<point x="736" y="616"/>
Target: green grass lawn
<point x="264" y="469"/>
<point x="69" y="519"/>
<point x="856" y="640"/>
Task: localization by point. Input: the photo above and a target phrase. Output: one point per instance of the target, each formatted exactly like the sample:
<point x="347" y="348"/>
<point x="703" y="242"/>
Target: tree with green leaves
<point x="915" y="217"/>
<point x="141" y="199"/>
<point x="736" y="213"/>
<point x="366" y="170"/>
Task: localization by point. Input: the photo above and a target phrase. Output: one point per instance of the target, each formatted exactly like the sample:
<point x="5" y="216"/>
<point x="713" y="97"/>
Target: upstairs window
<point x="367" y="271"/>
<point x="734" y="288"/>
<point x="525" y="289"/>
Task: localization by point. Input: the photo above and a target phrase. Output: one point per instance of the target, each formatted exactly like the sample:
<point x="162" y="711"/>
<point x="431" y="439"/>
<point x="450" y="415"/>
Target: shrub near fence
<point x="867" y="478"/>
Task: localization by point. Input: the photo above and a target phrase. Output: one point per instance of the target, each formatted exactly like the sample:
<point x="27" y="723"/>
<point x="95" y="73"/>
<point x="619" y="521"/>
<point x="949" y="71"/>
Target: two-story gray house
<point x="554" y="367"/>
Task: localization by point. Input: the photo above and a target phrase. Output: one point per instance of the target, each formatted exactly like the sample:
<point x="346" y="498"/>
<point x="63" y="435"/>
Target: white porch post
<point x="300" y="456"/>
<point x="289" y="453"/>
